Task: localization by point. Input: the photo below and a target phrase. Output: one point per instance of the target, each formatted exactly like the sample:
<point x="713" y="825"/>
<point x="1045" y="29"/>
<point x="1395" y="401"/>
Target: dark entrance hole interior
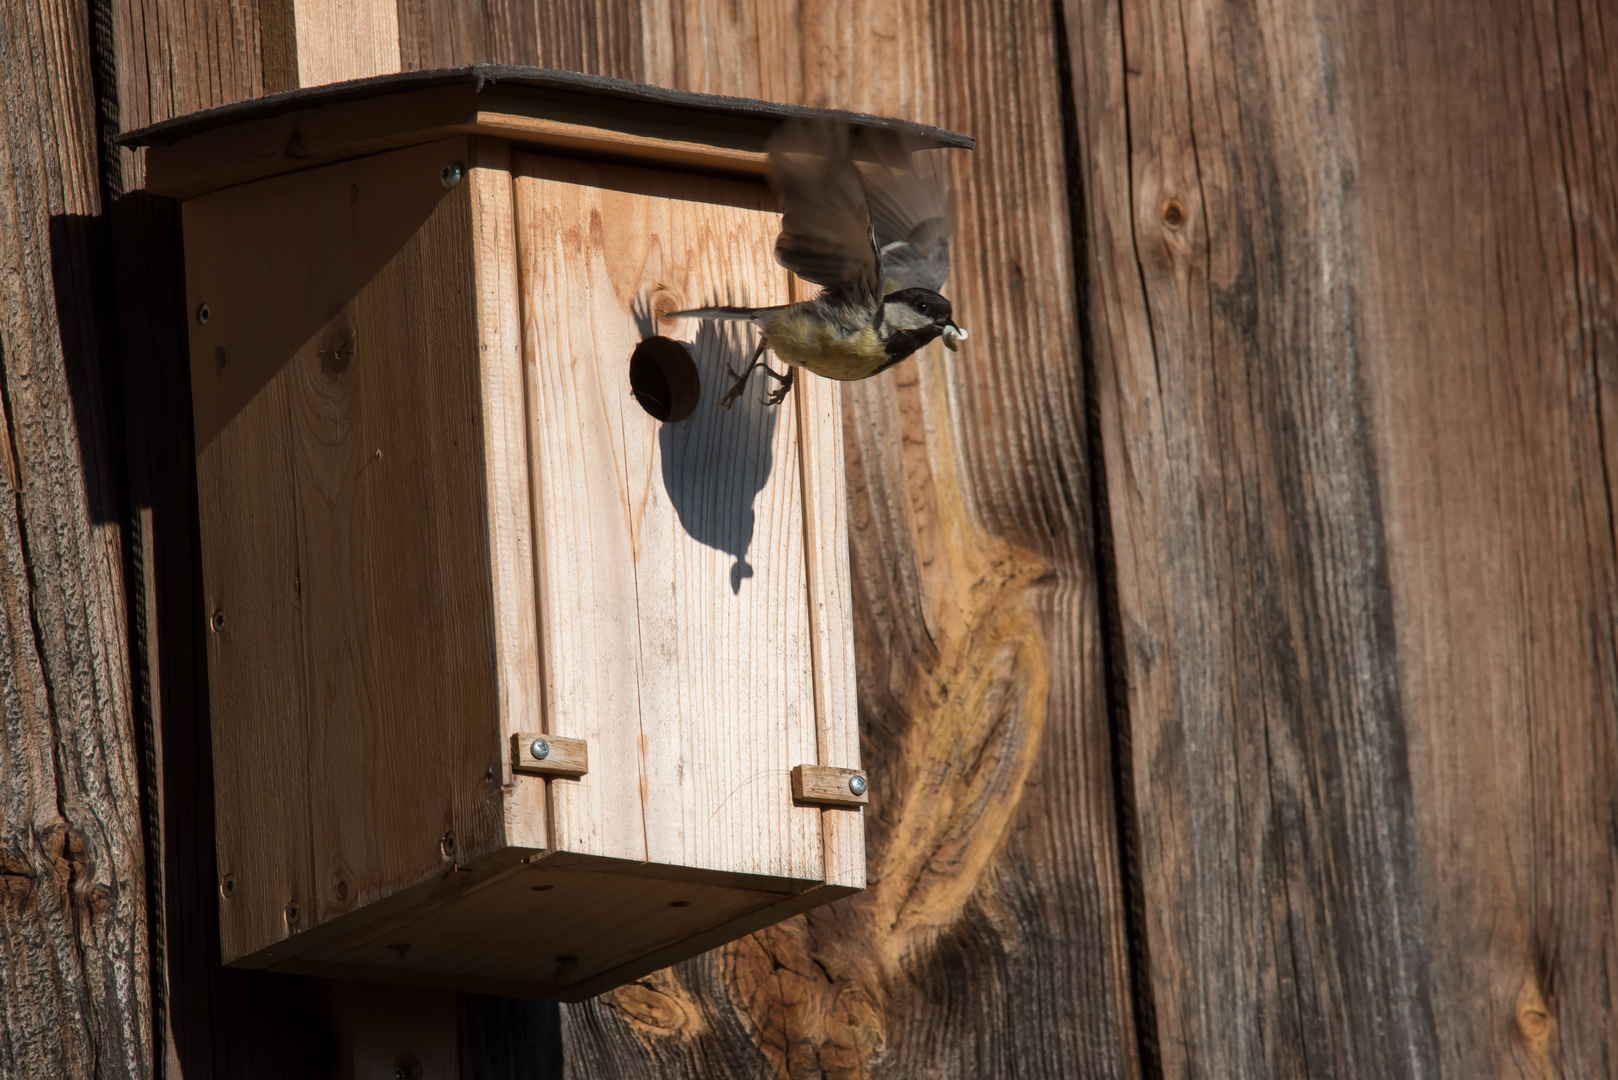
<point x="663" y="378"/>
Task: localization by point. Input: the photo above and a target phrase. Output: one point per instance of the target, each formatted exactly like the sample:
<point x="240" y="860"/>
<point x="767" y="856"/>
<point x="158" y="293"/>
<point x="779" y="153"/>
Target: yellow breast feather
<point x="802" y="340"/>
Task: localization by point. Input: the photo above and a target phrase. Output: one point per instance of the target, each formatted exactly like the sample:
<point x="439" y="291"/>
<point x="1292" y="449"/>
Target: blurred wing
<point x="826" y="224"/>
<point x="911" y="213"/>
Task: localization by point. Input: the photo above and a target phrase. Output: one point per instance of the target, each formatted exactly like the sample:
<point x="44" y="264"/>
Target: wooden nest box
<point x="531" y="669"/>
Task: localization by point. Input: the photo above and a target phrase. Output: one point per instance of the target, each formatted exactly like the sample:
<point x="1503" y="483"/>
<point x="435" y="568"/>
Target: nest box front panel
<point x="672" y="580"/>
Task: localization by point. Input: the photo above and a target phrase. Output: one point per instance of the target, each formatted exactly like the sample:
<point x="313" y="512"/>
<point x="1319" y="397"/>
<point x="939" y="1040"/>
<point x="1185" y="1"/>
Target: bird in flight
<point x="868" y="221"/>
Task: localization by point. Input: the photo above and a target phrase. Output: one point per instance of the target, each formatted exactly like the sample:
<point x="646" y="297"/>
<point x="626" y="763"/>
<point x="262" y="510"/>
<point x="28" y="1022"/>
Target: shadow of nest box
<point x="531" y="669"/>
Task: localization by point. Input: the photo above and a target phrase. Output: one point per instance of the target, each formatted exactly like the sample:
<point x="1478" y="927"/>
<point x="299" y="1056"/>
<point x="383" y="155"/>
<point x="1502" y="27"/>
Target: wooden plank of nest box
<point x="566" y="112"/>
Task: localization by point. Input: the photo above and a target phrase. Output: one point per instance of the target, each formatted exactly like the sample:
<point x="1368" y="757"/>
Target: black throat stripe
<point x="902" y="343"/>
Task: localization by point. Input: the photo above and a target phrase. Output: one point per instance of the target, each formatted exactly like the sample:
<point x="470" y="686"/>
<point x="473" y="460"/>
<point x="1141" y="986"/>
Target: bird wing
<point x="826" y="234"/>
<point x="912" y="214"/>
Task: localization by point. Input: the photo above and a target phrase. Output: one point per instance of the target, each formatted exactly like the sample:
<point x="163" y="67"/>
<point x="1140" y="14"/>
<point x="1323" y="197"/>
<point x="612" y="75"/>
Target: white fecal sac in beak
<point x="953" y="336"/>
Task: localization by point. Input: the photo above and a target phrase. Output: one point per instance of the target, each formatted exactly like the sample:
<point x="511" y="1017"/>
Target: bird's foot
<point x="779" y="394"/>
<point x="741" y="376"/>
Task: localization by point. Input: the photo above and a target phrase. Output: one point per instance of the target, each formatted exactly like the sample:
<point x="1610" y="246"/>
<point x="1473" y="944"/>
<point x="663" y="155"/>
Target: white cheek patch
<point x="953" y="336"/>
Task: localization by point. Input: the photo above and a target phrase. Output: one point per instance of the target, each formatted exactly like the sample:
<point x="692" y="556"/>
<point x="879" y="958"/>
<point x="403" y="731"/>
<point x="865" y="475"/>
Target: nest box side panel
<point x="505" y="431"/>
<point x="672" y="578"/>
<point x="346" y="542"/>
<point x="831" y="615"/>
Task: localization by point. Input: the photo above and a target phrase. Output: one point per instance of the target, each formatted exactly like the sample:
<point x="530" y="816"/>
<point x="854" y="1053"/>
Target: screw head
<point x="203" y="314"/>
<point x="447" y="845"/>
<point x="227" y="886"/>
<point x="540" y="749"/>
<point x="451" y="174"/>
<point x="217" y="620"/>
<point x="856" y="784"/>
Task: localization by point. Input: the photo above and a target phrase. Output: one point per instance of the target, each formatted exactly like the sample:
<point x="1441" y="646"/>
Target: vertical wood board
<point x="672" y="581"/>
<point x="831" y="614"/>
<point x="505" y="431"/>
<point x="365" y="565"/>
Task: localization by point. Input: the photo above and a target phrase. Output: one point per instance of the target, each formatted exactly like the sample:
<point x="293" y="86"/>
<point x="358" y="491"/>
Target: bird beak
<point x="953" y="336"/>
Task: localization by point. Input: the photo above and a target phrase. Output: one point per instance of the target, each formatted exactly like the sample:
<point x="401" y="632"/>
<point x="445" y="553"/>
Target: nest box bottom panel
<point x="560" y="926"/>
<point x="439" y="523"/>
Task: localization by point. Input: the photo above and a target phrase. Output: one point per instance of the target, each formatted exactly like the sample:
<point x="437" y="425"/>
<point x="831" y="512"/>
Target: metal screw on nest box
<point x="451" y="174"/>
<point x="856" y="784"/>
<point x="540" y="749"/>
<point x="202" y="314"/>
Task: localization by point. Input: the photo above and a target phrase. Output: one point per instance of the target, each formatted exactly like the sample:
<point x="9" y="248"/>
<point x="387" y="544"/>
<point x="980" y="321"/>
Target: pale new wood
<point x="591" y="141"/>
<point x="770" y="915"/>
<point x="316" y="241"/>
<point x="825" y="784"/>
<point x="831" y="615"/>
<point x="339" y="40"/>
<point x="379" y="719"/>
<point x="542" y="925"/>
<point x="293" y="142"/>
<point x="321" y="134"/>
<point x="564" y="757"/>
<point x="505" y="436"/>
<point x="672" y="577"/>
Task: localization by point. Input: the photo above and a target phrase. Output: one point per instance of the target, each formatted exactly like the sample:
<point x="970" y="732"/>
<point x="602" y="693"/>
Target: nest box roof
<point x="562" y="110"/>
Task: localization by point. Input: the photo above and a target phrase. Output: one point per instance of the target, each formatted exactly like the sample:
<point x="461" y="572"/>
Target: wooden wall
<point x="1235" y="613"/>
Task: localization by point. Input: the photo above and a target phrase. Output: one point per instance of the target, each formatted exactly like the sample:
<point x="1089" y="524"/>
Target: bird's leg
<point x="779" y="394"/>
<point x="741" y="376"/>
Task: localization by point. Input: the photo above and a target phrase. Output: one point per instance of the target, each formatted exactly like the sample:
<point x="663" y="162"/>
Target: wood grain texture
<point x="1491" y="289"/>
<point x="174" y="57"/>
<point x="505" y="454"/>
<point x="338" y="40"/>
<point x="976" y="614"/>
<point x="831" y="602"/>
<point x="827" y="785"/>
<point x="672" y="584"/>
<point x="381" y="721"/>
<point x="1351" y="324"/>
<point x="563" y="757"/>
<point x="169" y="57"/>
<point x="74" y="944"/>
<point x="1282" y="910"/>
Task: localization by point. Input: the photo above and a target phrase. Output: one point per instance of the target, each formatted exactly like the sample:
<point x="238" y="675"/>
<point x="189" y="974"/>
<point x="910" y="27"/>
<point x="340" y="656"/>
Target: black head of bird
<point x="867" y="219"/>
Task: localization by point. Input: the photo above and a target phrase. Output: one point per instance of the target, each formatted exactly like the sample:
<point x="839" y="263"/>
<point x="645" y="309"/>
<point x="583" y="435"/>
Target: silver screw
<point x="856" y="784"/>
<point x="451" y="174"/>
<point x="202" y="314"/>
<point x="540" y="749"/>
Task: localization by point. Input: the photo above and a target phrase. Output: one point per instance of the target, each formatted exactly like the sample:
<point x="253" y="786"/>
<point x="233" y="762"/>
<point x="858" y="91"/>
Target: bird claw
<point x="779" y="394"/>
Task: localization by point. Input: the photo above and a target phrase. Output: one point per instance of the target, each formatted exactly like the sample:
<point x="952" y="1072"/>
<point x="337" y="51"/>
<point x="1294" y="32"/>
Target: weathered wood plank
<point x="1283" y="915"/>
<point x="167" y="58"/>
<point x="1491" y="286"/>
<point x="1351" y="333"/>
<point x="74" y="944"/>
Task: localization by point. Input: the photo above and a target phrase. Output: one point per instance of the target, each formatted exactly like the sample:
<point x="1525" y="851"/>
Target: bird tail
<point x="726" y="314"/>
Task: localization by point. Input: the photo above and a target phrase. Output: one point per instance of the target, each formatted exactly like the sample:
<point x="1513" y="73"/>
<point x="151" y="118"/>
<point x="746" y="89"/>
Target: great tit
<point x="867" y="220"/>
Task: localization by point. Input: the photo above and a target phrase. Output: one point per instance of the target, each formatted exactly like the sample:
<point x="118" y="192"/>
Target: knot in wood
<point x="337" y="347"/>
